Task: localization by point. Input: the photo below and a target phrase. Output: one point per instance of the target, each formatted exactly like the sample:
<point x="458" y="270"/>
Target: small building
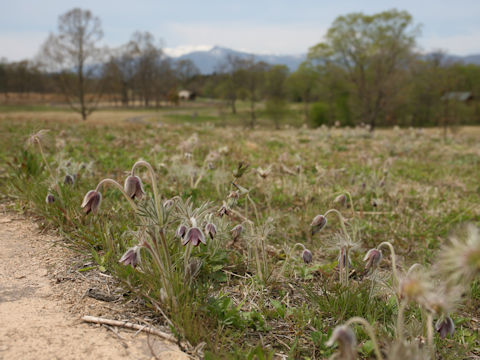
<point x="461" y="96"/>
<point x="187" y="95"/>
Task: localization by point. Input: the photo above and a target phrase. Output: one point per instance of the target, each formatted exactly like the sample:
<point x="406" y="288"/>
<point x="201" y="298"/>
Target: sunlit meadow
<point x="299" y="243"/>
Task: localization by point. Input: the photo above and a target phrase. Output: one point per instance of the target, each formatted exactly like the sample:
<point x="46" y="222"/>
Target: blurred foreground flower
<point x="346" y="340"/>
<point x="445" y="327"/>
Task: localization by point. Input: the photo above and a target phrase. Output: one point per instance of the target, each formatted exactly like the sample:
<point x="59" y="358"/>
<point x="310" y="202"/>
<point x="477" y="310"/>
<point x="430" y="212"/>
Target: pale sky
<point x="260" y="26"/>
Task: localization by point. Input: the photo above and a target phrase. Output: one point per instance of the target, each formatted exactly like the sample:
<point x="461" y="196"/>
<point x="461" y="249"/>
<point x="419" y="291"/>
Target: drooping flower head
<point x="195" y="236"/>
<point x="133" y="187"/>
<point x="181" y="231"/>
<point x="131" y="257"/>
<point x="307" y="256"/>
<point x="50" y="199"/>
<point x="91" y="202"/>
<point x="69" y="179"/>
<point x="341" y="200"/>
<point x="211" y="230"/>
<point x="372" y="259"/>
<point x="236" y="232"/>
<point x="318" y="223"/>
<point x="445" y="327"/>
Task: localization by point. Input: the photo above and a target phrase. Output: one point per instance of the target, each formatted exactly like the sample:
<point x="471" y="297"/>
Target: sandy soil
<point x="41" y="304"/>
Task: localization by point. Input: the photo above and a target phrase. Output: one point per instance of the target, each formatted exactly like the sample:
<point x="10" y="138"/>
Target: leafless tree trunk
<point x="73" y="54"/>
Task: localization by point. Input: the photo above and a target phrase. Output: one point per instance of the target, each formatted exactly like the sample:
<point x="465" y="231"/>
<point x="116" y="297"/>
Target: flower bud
<point x="318" y="223"/>
<point x="69" y="179"/>
<point x="131" y="257"/>
<point x="133" y="187"/>
<point x="91" y="202"/>
<point x="341" y="200"/>
<point x="181" y="231"/>
<point x="195" y="236"/>
<point x="50" y="199"/>
<point x="445" y="327"/>
<point x="236" y="232"/>
<point x="211" y="230"/>
<point x="307" y="256"/>
<point x="372" y="258"/>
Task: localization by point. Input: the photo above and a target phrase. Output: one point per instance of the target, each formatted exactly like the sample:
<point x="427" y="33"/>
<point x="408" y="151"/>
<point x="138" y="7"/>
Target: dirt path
<point x="37" y="323"/>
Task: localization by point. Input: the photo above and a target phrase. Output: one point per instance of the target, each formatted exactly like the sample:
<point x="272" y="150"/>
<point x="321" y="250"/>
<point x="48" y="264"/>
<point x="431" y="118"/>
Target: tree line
<point x="366" y="71"/>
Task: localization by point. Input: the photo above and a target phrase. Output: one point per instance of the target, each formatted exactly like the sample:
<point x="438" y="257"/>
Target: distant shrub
<point x="319" y="114"/>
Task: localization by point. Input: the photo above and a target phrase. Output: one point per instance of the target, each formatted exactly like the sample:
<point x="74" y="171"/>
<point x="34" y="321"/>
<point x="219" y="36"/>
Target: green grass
<point x="424" y="191"/>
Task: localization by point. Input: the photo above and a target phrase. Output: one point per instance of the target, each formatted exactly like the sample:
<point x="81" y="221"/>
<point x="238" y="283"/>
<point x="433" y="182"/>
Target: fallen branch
<point x="129" y="325"/>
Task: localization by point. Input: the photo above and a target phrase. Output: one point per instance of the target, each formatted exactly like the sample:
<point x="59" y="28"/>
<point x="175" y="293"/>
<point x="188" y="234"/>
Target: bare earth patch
<point x="43" y="297"/>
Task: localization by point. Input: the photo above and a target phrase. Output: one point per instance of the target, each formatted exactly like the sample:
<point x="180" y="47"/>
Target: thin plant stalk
<point x="42" y="153"/>
<point x="289" y="255"/>
<point x="394" y="259"/>
<point x="342" y="220"/>
<point x="400" y="319"/>
<point x="119" y="187"/>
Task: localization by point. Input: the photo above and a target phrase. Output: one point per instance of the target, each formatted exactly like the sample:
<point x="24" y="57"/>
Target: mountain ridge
<point x="210" y="61"/>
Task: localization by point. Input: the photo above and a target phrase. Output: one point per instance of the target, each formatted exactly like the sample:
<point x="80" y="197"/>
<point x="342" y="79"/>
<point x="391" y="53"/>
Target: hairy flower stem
<point x="430" y="335"/>
<point x="40" y="147"/>
<point x="119" y="187"/>
<point x="394" y="259"/>
<point x="342" y="220"/>
<point x="153" y="179"/>
<point x="400" y="319"/>
<point x="350" y="200"/>
<point x="289" y="255"/>
<point x="370" y="331"/>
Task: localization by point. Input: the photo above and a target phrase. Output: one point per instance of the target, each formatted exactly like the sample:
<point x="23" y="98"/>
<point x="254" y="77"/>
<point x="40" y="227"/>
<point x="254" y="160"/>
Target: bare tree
<point x="73" y="54"/>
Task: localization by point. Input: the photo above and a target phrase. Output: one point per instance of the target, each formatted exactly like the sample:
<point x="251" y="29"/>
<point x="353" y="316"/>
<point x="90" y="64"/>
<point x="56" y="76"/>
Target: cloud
<point x="21" y="45"/>
<point x="261" y="39"/>
<point x="462" y="44"/>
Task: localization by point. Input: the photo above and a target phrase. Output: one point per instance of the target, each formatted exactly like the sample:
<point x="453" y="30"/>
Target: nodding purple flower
<point x="133" y="187"/>
<point x="181" y="231"/>
<point x="307" y="256"/>
<point x="318" y="223"/>
<point x="69" y="179"/>
<point x="345" y="337"/>
<point x="224" y="210"/>
<point x="91" y="202"/>
<point x="372" y="258"/>
<point x="236" y="232"/>
<point x="195" y="236"/>
<point x="445" y="327"/>
<point x="211" y="230"/>
<point x="50" y="199"/>
<point x="131" y="257"/>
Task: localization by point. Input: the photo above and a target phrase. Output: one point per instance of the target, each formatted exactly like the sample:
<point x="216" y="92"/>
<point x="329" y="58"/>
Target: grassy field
<point x="253" y="295"/>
